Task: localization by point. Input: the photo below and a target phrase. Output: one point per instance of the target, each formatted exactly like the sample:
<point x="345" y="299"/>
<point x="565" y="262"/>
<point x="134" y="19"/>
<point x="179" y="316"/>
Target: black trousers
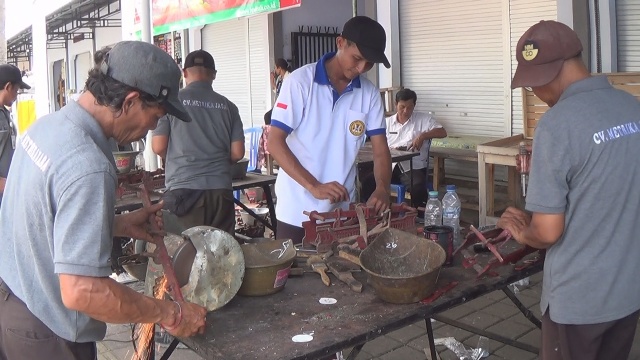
<point x="419" y="192"/>
<point x="24" y="336"/>
<point x="288" y="231"/>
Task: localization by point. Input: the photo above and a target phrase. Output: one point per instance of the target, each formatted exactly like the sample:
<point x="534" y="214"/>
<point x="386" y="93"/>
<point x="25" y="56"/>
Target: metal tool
<point x="323" y="229"/>
<point x="493" y="238"/>
<point x="160" y="254"/>
<point x="524" y="158"/>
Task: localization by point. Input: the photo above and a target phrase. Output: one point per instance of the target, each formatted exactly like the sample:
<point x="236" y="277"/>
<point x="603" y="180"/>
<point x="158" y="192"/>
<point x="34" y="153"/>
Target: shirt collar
<point x="395" y="119"/>
<point x="199" y="84"/>
<point x="321" y="77"/>
<point x="81" y="117"/>
<point x="588" y="84"/>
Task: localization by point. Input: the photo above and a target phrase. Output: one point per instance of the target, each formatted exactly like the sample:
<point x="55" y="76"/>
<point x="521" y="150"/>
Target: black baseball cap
<point x="11" y="74"/>
<point x="148" y="68"/>
<point x="200" y="58"/>
<point x="369" y="36"/>
<point x="541" y="51"/>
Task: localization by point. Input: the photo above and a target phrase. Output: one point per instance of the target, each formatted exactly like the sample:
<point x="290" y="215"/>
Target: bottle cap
<point x="451" y="188"/>
<point x="433" y="194"/>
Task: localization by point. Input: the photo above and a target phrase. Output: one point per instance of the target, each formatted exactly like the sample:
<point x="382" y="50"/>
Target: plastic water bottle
<point x="451" y="213"/>
<point x="433" y="210"/>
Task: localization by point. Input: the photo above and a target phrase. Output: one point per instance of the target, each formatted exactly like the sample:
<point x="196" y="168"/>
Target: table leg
<point x="523" y="309"/>
<point x="515" y="191"/>
<point x="411" y="182"/>
<point x="512" y="185"/>
<point x="253" y="214"/>
<point x="438" y="172"/>
<point x="354" y="352"/>
<point x="490" y="190"/>
<point x="432" y="345"/>
<point x="272" y="208"/>
<point x="167" y="353"/>
<point x="269" y="164"/>
<point x="482" y="190"/>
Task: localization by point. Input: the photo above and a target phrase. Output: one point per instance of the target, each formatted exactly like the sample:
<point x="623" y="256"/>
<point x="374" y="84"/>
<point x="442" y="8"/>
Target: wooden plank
<point x="508" y="141"/>
<point x="533" y="107"/>
<point x="624" y="78"/>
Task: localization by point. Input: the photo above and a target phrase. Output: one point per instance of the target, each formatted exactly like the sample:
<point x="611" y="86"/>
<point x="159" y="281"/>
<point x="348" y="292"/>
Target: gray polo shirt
<point x="58" y="218"/>
<point x="7" y="136"/>
<point x="199" y="152"/>
<point x="585" y="165"/>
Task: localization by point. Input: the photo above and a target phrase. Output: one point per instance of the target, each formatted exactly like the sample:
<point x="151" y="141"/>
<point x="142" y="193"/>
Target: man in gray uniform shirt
<point x="57" y="219"/>
<point x="198" y="155"/>
<point x="583" y="195"/>
<point x="10" y="83"/>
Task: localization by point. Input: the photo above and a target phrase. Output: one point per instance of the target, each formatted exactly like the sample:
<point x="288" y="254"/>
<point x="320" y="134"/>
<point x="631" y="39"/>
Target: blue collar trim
<point x="321" y="77"/>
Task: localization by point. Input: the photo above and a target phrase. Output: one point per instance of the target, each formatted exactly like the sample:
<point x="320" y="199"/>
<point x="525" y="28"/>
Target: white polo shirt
<point x="326" y="130"/>
<point x="403" y="134"/>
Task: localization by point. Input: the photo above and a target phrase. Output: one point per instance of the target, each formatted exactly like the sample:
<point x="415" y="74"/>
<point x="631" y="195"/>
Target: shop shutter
<point x="628" y="23"/>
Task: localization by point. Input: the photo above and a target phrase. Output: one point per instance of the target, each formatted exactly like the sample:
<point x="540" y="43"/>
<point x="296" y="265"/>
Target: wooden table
<point x="365" y="159"/>
<point x="263" y="327"/>
<point x="263" y="181"/>
<point x="439" y="155"/>
<point x="252" y="180"/>
<point x="499" y="152"/>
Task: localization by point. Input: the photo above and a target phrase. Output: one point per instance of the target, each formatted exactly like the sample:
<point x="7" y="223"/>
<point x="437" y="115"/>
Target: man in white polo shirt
<point x="322" y="117"/>
<point x="407" y="129"/>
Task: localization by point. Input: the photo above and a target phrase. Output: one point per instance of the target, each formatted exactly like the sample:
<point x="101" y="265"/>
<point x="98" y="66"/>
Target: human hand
<point x="136" y="224"/>
<point x="379" y="199"/>
<point x="416" y="143"/>
<point x="515" y="221"/>
<point x="188" y="321"/>
<point x="332" y="191"/>
<point x="3" y="183"/>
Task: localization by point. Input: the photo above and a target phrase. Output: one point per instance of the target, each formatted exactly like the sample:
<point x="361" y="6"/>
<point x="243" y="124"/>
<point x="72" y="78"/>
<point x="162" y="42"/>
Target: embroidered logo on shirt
<point x="282" y="105"/>
<point x="530" y="50"/>
<point x="356" y="127"/>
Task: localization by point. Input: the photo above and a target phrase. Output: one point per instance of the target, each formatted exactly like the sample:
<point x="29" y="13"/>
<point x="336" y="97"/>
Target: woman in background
<point x="279" y="74"/>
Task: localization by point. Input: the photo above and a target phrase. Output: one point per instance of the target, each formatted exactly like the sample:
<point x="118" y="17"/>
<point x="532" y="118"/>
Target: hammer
<point x="318" y="265"/>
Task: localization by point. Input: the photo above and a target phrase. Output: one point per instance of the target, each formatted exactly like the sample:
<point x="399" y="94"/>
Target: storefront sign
<point x="174" y="15"/>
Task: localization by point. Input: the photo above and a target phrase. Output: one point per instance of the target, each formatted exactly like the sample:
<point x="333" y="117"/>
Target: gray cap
<point x="148" y="68"/>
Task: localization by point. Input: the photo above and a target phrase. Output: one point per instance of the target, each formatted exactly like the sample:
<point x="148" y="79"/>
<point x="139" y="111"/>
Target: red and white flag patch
<point x="282" y="106"/>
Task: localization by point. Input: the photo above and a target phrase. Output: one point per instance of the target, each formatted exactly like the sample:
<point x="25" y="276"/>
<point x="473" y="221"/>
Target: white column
<point x="40" y="63"/>
<point x="387" y="16"/>
<point x="144" y="10"/>
<point x="565" y="12"/>
<point x="127" y="16"/>
<point x="608" y="36"/>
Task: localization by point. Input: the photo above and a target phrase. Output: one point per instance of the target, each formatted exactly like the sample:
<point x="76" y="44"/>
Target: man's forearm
<point x="436" y="133"/>
<point x="382" y="170"/>
<point x="291" y="165"/>
<point x="3" y="182"/>
<point x="532" y="238"/>
<point x="106" y="300"/>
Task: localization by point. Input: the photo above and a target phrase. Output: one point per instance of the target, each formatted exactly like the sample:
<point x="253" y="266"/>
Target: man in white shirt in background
<point x="409" y="130"/>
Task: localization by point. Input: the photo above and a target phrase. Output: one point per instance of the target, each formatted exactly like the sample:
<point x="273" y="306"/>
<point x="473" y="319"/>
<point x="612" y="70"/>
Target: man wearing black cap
<point x="57" y="219"/>
<point x="10" y="82"/>
<point x="583" y="197"/>
<point x="198" y="155"/>
<point x="319" y="122"/>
